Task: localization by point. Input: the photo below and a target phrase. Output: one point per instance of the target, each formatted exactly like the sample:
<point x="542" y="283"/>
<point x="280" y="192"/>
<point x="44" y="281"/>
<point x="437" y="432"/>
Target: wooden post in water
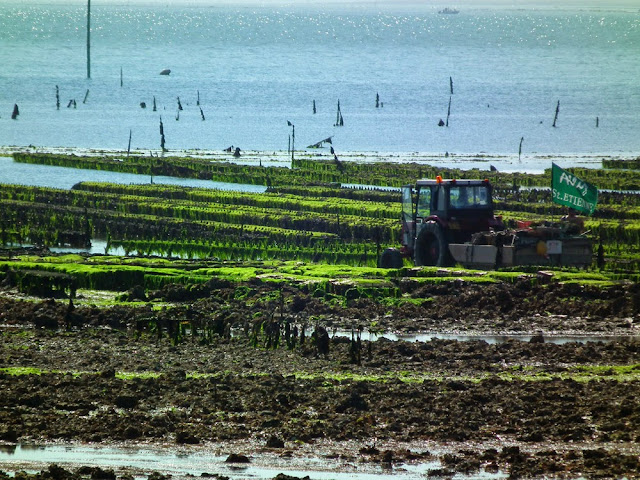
<point x="57" y="98"/>
<point x="448" y="111"/>
<point x="597" y="122"/>
<point x="451" y="85"/>
<point x="555" y="118"/>
<point x="198" y="101"/>
<point x="88" y="38"/>
<point x="85" y="96"/>
<point x="121" y="82"/>
<point x="520" y="148"/>
<point x="161" y="135"/>
<point x="129" y="146"/>
<point x="339" y="119"/>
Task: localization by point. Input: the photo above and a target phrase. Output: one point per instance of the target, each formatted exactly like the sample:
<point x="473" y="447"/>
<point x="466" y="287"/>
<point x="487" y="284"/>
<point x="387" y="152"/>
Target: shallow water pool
<point x="184" y="462"/>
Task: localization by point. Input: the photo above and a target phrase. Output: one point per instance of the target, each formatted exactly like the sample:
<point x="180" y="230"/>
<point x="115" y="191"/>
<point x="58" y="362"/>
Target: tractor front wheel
<point x="432" y="248"/>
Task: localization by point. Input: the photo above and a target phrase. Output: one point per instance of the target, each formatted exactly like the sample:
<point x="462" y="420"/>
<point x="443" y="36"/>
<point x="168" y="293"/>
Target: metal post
<point x="88" y="38"/>
<point x="293" y="137"/>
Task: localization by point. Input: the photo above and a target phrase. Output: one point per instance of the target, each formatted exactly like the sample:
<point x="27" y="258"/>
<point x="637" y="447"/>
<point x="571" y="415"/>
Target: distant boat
<point x="449" y="11"/>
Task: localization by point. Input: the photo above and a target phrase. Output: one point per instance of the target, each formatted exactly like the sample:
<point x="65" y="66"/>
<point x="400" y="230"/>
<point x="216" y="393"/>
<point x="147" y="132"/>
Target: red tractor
<point x="445" y="222"/>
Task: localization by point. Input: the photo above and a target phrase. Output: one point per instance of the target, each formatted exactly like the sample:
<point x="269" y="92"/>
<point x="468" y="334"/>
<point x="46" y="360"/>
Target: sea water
<point x="258" y="70"/>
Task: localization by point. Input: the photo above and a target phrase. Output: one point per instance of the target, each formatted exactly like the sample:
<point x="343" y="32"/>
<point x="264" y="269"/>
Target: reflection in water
<point x="8" y="449"/>
<point x="489" y="338"/>
<point x="98" y="246"/>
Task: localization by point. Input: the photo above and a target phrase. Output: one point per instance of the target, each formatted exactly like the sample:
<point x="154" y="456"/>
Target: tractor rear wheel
<point x="432" y="248"/>
<point x="390" y="258"/>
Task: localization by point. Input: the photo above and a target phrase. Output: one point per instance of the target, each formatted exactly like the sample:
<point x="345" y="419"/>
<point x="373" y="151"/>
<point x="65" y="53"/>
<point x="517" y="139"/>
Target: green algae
<point x="333" y="379"/>
<point x="111" y="273"/>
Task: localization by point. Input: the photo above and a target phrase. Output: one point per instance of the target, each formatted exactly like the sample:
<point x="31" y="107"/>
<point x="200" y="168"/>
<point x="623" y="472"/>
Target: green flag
<point x="569" y="190"/>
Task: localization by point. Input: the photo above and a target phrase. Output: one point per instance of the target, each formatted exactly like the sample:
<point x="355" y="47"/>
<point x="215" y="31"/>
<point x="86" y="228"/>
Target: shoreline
<point x="531" y="163"/>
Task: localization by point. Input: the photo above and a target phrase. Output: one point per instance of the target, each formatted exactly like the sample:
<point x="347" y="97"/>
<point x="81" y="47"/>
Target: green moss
<point x="578" y="373"/>
<point x="23" y="371"/>
<point x="132" y="375"/>
<point x="335" y="378"/>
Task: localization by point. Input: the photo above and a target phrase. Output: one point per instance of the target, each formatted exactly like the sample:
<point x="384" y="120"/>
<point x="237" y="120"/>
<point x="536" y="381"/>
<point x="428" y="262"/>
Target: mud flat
<point x="119" y="375"/>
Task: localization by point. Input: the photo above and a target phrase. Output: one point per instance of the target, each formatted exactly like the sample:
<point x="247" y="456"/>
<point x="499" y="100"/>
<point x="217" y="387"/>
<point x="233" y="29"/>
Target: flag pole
<point x="553" y="204"/>
<point x="293" y="139"/>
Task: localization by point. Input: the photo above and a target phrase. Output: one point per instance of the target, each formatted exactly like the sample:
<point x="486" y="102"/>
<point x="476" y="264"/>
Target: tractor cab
<point x="452" y="210"/>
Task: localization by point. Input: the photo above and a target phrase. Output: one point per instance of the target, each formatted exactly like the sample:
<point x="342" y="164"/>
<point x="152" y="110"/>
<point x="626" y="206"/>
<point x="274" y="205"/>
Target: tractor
<point x="448" y="221"/>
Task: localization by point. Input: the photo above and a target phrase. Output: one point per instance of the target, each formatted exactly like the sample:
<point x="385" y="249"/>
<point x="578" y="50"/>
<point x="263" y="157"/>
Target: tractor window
<point x="407" y="203"/>
<point x="439" y="196"/>
<point x="464" y="197"/>
<point x="424" y="201"/>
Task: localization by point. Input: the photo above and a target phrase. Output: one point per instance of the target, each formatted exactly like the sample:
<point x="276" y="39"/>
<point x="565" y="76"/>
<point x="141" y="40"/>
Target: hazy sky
<point x="515" y="3"/>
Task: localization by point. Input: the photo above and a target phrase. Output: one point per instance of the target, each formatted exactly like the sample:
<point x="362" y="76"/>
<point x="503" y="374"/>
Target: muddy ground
<point x="140" y="375"/>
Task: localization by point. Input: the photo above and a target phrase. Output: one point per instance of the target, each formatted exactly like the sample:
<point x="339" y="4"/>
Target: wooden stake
<point x="57" y="98"/>
<point x="121" y="82"/>
<point x="448" y="112"/>
<point x="161" y="135"/>
<point x="198" y="101"/>
<point x="451" y="85"/>
<point x="555" y="118"/>
<point x="85" y="96"/>
<point x="520" y="148"/>
<point x="129" y="146"/>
